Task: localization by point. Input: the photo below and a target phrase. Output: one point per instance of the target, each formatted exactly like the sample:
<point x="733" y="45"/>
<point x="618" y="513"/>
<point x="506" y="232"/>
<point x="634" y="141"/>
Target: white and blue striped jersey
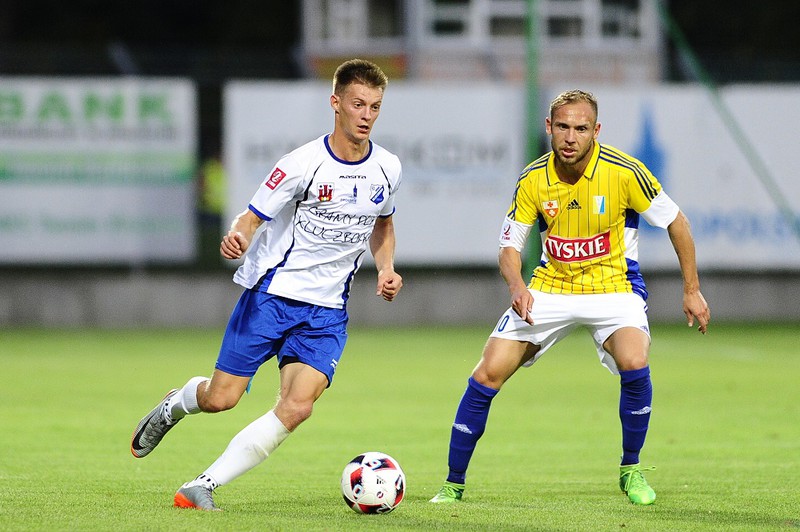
<point x="320" y="212"/>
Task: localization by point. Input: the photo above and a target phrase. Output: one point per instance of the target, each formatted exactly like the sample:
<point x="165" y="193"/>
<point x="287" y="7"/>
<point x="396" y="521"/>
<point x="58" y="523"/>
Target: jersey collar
<point x="335" y="158"/>
<point x="588" y="173"/>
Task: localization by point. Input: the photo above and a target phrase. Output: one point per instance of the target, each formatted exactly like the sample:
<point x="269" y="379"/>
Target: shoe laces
<point x="635" y="479"/>
<point x="450" y="491"/>
<point x="166" y="415"/>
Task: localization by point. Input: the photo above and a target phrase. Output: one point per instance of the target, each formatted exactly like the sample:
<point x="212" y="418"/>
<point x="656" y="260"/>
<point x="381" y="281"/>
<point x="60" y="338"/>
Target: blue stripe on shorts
<point x="263" y="325"/>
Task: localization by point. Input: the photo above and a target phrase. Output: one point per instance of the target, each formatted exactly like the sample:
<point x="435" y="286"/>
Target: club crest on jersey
<point x="325" y="191"/>
<point x="275" y="179"/>
<point x="376" y="193"/>
<point x="550" y="208"/>
<point x="599" y="205"/>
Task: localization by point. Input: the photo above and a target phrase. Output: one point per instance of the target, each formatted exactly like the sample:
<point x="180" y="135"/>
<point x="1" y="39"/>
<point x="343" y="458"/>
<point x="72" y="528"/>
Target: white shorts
<point x="557" y="315"/>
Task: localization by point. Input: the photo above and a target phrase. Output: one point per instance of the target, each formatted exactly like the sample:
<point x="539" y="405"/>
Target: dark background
<point x="212" y="41"/>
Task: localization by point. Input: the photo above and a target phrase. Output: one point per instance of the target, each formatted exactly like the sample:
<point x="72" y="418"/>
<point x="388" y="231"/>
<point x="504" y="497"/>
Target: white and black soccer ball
<point x="373" y="483"/>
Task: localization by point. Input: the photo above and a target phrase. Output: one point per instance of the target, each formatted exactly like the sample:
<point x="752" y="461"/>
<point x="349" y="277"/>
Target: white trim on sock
<point x="202" y="480"/>
<point x="185" y="401"/>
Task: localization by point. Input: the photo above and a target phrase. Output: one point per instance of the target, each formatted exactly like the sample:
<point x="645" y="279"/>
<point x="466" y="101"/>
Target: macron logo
<point x="643" y="411"/>
<point x="275" y="179"/>
<point x="462" y="428"/>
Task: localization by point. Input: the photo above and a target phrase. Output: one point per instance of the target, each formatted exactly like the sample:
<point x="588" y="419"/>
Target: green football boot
<point x="449" y="493"/>
<point x="633" y="484"/>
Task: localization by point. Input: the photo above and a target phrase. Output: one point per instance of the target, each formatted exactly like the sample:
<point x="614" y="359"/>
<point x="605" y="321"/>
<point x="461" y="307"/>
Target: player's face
<point x="573" y="129"/>
<point x="357" y="108"/>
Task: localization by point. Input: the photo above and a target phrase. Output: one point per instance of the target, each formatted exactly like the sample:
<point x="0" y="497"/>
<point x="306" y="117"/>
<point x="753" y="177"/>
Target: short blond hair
<point x="573" y="96"/>
<point x="358" y="71"/>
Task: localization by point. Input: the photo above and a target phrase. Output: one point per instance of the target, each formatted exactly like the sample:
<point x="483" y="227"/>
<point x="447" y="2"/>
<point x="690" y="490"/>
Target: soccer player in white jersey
<point x="586" y="199"/>
<point x="323" y="204"/>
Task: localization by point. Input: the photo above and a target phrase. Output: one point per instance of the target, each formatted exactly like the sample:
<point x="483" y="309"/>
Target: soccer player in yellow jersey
<point x="586" y="199"/>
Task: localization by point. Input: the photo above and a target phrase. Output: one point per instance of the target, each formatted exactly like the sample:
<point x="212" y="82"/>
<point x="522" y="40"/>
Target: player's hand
<point x="389" y="284"/>
<point x="695" y="307"/>
<point x="522" y="303"/>
<point x="233" y="245"/>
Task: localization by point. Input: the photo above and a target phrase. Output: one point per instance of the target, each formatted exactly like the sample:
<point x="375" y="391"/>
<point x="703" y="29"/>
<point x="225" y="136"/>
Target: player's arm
<point x="240" y="235"/>
<point x="382" y="244"/>
<point x="510" y="261"/>
<point x="694" y="304"/>
<point x="512" y="241"/>
<point x="663" y="212"/>
<point x="281" y="186"/>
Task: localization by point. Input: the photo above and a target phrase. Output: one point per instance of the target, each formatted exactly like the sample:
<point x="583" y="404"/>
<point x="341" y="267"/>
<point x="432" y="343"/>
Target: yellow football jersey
<point x="589" y="230"/>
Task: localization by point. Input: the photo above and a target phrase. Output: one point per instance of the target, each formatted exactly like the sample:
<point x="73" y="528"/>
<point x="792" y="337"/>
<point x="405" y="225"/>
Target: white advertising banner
<point x="677" y="132"/>
<point x="462" y="148"/>
<point x="97" y="170"/>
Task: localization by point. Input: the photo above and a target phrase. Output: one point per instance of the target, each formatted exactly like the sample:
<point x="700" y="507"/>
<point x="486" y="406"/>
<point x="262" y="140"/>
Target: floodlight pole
<point x="533" y="126"/>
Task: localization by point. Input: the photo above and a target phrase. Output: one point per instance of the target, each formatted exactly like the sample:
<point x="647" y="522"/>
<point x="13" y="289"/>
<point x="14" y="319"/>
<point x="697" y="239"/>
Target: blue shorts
<point x="264" y="325"/>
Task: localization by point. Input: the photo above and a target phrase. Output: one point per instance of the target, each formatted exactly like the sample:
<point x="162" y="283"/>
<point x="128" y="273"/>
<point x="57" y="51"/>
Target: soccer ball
<point x="373" y="483"/>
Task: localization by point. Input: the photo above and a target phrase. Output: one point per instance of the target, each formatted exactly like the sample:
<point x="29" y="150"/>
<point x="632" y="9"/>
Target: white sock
<point x="185" y="401"/>
<point x="248" y="449"/>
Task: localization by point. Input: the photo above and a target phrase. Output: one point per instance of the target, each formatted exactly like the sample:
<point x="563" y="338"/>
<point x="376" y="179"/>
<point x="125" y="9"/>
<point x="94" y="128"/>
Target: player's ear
<point x="335" y="102"/>
<point x="596" y="130"/>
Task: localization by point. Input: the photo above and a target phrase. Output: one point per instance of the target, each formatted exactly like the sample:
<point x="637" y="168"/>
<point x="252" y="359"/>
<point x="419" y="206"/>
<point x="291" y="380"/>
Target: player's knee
<point x="212" y="403"/>
<point x="632" y="362"/>
<point x="487" y="378"/>
<point x="292" y="413"/>
<point x="302" y="411"/>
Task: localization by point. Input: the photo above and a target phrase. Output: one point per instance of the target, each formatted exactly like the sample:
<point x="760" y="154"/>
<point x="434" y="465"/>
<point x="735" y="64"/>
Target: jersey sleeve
<point x="394" y="179"/>
<point x="520" y="217"/>
<point x="514" y="234"/>
<point x="281" y="186"/>
<point x="643" y="188"/>
<point x="648" y="198"/>
<point x="661" y="212"/>
<point x="523" y="208"/>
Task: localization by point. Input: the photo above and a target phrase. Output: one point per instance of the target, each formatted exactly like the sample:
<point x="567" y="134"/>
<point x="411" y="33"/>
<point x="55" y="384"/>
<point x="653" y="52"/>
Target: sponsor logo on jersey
<point x="376" y="193"/>
<point x="325" y="191"/>
<point x="354" y="176"/>
<point x="577" y="249"/>
<point x="599" y="205"/>
<point x="353" y="198"/>
<point x="550" y="208"/>
<point x="275" y="179"/>
<point x="573" y="205"/>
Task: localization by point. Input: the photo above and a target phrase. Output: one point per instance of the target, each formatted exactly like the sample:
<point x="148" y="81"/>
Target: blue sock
<point x="635" y="400"/>
<point x="468" y="427"/>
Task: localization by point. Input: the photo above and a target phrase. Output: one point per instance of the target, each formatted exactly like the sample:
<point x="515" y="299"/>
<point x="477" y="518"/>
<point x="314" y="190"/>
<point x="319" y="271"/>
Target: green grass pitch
<point x="725" y="434"/>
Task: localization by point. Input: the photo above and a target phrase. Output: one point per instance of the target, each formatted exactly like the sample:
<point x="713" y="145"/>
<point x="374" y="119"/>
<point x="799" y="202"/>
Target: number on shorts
<point x="503" y="323"/>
